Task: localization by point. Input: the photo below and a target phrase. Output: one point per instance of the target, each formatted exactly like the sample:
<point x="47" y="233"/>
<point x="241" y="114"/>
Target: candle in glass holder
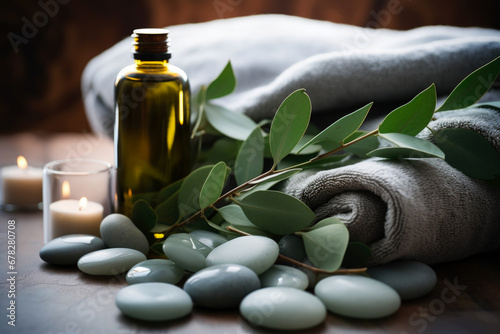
<point x="71" y="216"/>
<point x="21" y="185"/>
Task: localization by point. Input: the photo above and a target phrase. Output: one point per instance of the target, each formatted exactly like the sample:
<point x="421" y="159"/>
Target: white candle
<point x="71" y="216"/>
<point x="21" y="184"/>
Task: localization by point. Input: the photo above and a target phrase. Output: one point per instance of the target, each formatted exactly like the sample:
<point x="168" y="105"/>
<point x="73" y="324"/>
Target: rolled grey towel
<point x="340" y="66"/>
<point x="420" y="209"/>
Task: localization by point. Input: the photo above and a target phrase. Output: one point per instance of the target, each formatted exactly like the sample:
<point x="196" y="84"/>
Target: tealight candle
<point x="77" y="195"/>
<point x="22" y="185"/>
<point x="71" y="216"/>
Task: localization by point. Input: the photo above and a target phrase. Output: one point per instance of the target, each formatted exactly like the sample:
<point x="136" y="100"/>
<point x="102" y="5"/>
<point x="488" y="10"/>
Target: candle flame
<point x="21" y="162"/>
<point x="66" y="190"/>
<point x="82" y="204"/>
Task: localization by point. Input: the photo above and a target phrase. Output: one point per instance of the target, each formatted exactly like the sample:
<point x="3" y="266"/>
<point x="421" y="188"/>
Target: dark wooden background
<point x="40" y="86"/>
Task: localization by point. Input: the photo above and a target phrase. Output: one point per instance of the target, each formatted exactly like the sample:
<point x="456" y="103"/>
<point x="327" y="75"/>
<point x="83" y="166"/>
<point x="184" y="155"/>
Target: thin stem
<point x="342" y="146"/>
<point x="303" y="265"/>
<point x="321" y="271"/>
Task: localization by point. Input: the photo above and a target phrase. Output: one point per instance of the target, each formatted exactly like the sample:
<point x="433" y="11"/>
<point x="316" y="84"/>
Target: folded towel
<point x="340" y="66"/>
<point x="421" y="209"/>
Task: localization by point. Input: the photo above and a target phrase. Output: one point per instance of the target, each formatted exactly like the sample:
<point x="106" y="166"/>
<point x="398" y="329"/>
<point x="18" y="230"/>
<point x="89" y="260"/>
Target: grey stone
<point x="410" y="279"/>
<point x="357" y="296"/>
<point x="154" y="301"/>
<point x="208" y="238"/>
<point x="221" y="286"/>
<point x="255" y="252"/>
<point x="155" y="270"/>
<point x="68" y="249"/>
<point x="283" y="308"/>
<point x="118" y="231"/>
<point x="280" y="275"/>
<point x="186" y="252"/>
<point x="110" y="261"/>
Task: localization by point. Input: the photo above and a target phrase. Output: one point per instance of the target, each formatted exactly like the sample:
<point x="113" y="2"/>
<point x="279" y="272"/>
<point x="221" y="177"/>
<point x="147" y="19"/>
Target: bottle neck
<point x="140" y="63"/>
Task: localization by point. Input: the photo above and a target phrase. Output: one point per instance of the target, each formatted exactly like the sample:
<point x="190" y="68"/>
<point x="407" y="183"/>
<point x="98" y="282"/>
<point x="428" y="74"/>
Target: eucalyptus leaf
<point x="342" y="128"/>
<point x="469" y="152"/>
<point x="198" y="115"/>
<point x="215" y="226"/>
<point x="356" y="255"/>
<point x="143" y="216"/>
<point x="406" y="147"/>
<point x="169" y="190"/>
<point x="231" y="124"/>
<point x="491" y="105"/>
<point x="213" y="185"/>
<point x="299" y="149"/>
<point x="362" y="147"/>
<point x="412" y="117"/>
<point x="234" y="215"/>
<point x="168" y="210"/>
<point x="326" y="246"/>
<point x="189" y="192"/>
<point x="260" y="186"/>
<point x="159" y="228"/>
<point x="473" y="87"/>
<point x="276" y="212"/>
<point x="223" y="149"/>
<point x="223" y="85"/>
<point x="289" y="124"/>
<point x="326" y="222"/>
<point x="250" y="159"/>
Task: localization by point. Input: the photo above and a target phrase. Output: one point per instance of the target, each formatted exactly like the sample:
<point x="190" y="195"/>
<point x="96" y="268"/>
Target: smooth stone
<point x="154" y="301"/>
<point x="118" y="231"/>
<point x="186" y="251"/>
<point x="208" y="238"/>
<point x="283" y="308"/>
<point x="357" y="296"/>
<point x="68" y="249"/>
<point x="279" y="275"/>
<point x="155" y="270"/>
<point x="221" y="286"/>
<point x="292" y="246"/>
<point x="255" y="252"/>
<point x="110" y="261"/>
<point x="410" y="279"/>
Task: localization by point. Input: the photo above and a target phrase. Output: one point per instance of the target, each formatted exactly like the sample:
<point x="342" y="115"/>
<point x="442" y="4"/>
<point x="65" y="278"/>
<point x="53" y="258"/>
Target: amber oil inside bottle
<point x="152" y="128"/>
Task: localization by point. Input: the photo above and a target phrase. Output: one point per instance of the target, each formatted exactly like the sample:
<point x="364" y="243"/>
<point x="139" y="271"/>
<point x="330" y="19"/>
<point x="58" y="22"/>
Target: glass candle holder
<point x="21" y="187"/>
<point x="77" y="195"/>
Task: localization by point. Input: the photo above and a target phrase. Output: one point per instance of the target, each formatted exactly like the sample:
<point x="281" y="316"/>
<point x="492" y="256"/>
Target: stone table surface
<point x="51" y="299"/>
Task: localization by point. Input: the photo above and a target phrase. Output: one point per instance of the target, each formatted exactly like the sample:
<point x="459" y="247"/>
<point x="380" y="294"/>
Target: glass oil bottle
<point x="152" y="130"/>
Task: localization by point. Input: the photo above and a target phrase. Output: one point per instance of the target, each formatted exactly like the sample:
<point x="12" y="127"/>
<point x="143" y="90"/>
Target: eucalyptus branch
<point x="306" y="266"/>
<point x="248" y="183"/>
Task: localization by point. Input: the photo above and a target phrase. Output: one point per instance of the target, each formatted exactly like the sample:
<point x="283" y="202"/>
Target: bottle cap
<point x="151" y="44"/>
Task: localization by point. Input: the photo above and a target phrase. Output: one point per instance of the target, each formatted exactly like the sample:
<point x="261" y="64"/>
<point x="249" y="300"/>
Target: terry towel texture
<point x="414" y="209"/>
